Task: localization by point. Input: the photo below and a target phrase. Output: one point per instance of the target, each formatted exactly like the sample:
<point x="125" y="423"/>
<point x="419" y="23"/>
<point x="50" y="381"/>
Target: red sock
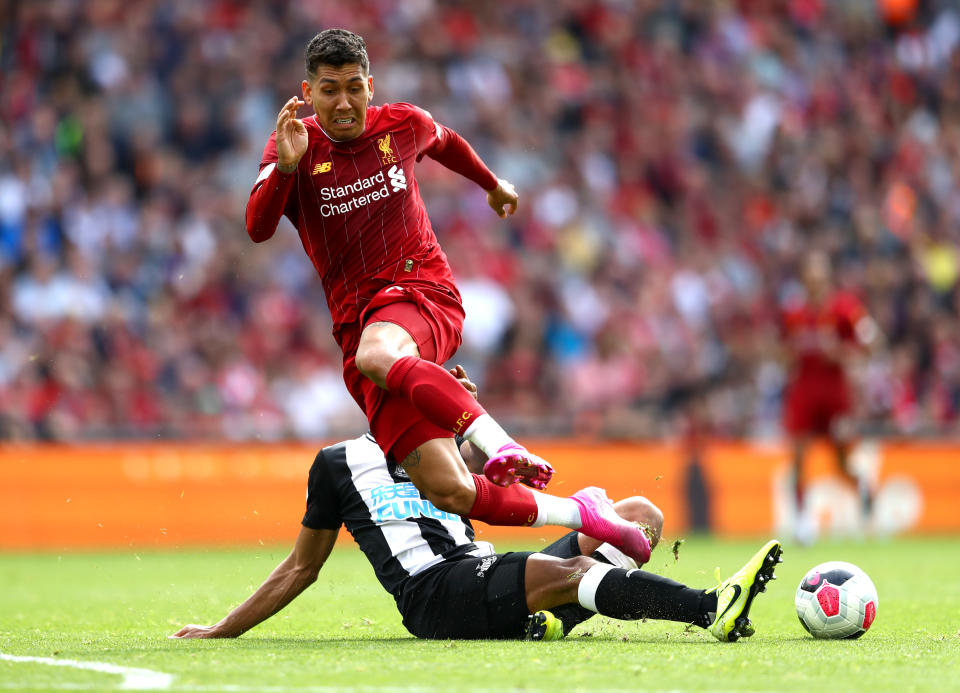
<point x="434" y="392"/>
<point x="496" y="505"/>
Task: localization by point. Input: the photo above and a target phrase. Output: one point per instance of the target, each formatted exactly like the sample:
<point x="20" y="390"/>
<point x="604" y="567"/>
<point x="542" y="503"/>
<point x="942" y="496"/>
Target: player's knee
<point x="642" y="510"/>
<point x="551" y="581"/>
<point x="374" y="361"/>
<point x="576" y="566"/>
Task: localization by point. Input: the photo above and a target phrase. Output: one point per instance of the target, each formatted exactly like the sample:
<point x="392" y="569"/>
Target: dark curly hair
<point x="335" y="47"/>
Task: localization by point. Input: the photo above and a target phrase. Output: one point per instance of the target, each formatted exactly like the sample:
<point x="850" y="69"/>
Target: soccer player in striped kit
<point x="345" y="178"/>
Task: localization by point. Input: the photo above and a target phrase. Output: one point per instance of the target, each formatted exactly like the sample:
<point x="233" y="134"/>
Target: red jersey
<point x="357" y="207"/>
<point x="806" y="326"/>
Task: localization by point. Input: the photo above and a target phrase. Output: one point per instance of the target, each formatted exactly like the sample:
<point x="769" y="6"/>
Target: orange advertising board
<point x="169" y="495"/>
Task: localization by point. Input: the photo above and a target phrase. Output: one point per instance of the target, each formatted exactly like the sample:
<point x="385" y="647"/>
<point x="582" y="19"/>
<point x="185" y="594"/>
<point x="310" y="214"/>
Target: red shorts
<point x="813" y="406"/>
<point x="434" y="318"/>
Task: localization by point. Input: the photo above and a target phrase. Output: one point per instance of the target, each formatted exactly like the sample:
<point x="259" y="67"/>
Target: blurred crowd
<point x="677" y="161"/>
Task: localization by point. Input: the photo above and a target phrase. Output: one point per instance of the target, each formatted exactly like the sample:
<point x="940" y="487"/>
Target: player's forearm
<point x="267" y="202"/>
<point x="457" y="155"/>
<point x="285" y="584"/>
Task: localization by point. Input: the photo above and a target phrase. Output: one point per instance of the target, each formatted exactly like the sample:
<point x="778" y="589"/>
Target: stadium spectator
<point x="680" y="161"/>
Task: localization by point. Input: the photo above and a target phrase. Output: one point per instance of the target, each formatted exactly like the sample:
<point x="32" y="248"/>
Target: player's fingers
<point x="289" y="109"/>
<point x="288" y="105"/>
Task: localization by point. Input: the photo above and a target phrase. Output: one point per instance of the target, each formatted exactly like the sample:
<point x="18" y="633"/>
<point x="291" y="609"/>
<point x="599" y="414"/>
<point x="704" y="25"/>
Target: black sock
<point x="636" y="594"/>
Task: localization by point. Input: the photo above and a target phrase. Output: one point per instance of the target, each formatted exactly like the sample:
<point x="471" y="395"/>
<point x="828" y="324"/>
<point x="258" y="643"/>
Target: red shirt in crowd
<point x="810" y="330"/>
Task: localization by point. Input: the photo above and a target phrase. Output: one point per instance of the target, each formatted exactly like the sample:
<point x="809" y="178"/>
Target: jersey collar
<point x="351" y="145"/>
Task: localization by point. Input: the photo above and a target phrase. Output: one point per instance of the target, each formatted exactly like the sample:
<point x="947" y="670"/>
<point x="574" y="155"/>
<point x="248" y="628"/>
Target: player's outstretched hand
<point x="195" y="631"/>
<point x="503" y="198"/>
<point x="464" y="379"/>
<point x="291" y="136"/>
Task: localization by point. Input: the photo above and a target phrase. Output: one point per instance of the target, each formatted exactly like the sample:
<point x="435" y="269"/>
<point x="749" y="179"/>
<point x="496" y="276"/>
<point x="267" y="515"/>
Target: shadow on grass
<point x="375" y="641"/>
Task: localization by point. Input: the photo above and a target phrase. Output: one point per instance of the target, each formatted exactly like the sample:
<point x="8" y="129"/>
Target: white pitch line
<point x="134" y="679"/>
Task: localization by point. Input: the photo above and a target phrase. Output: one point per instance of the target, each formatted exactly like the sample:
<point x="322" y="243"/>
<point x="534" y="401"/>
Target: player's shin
<point x="505" y="506"/>
<point x="435" y="393"/>
<point x="635" y="594"/>
<point x="515" y="505"/>
<point x="444" y="402"/>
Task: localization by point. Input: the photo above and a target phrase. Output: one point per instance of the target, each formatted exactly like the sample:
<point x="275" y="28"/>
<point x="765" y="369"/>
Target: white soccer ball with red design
<point x="836" y="600"/>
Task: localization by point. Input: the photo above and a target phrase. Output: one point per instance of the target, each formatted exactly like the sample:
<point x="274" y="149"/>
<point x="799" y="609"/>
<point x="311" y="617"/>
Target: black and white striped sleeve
<point x="323" y="503"/>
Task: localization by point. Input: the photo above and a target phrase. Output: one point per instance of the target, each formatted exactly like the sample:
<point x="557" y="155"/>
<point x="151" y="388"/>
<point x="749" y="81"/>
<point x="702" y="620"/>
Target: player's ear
<point x="370" y="88"/>
<point x="305" y="88"/>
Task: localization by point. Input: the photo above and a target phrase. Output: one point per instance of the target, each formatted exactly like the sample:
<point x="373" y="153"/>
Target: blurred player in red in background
<point x="345" y="178"/>
<point x="824" y="332"/>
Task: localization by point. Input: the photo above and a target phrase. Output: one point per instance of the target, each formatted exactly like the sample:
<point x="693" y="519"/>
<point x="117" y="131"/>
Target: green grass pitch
<point x="344" y="633"/>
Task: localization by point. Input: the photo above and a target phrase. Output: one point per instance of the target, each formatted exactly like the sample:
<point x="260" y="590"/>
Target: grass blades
<point x="344" y="633"/>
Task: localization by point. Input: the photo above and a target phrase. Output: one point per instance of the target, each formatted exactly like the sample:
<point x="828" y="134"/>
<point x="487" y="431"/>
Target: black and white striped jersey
<point x="400" y="532"/>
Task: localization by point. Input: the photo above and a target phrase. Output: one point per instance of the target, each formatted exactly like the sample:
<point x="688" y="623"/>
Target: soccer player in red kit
<point x="822" y="333"/>
<point x="345" y="178"/>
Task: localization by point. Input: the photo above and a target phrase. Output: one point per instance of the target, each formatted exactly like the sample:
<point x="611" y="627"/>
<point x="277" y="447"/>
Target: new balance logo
<point x="398" y="180"/>
<point x="322" y="168"/>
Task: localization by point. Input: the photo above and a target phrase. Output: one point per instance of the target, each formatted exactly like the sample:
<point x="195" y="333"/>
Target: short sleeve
<point x="323" y="504"/>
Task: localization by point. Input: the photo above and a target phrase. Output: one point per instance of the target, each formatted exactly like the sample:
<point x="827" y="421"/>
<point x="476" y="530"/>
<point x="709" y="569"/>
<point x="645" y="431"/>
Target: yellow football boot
<point x="736" y="593"/>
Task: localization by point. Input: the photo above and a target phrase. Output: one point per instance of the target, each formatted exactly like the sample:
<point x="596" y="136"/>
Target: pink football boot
<point x="601" y="522"/>
<point x="514" y="463"/>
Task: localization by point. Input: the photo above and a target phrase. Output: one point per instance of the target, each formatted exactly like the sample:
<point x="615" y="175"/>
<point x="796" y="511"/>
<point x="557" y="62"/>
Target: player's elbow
<point x="257" y="232"/>
<point x="258" y="228"/>
<point x="307" y="573"/>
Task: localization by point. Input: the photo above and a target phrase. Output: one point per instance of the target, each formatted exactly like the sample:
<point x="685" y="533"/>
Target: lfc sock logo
<point x="464" y="417"/>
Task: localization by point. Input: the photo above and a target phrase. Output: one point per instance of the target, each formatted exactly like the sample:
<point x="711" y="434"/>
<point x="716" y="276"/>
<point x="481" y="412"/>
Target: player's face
<point x="816" y="275"/>
<point x="339" y="96"/>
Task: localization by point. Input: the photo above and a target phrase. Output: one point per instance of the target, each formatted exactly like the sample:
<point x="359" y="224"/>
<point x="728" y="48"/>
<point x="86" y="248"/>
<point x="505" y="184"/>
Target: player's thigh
<point x="436" y="468"/>
<point x="476" y="597"/>
<point x="429" y="327"/>
<point x="566" y="546"/>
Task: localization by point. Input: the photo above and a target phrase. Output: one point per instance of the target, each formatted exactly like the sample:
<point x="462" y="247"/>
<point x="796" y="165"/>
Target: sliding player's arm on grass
<point x="287" y="581"/>
<point x="321" y="524"/>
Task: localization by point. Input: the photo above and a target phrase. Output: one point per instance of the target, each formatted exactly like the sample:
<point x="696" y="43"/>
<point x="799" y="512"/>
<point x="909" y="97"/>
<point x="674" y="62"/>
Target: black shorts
<point x="478" y="598"/>
<point x="468" y="599"/>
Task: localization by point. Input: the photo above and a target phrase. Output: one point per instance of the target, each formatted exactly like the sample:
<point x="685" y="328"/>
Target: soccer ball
<point x="836" y="600"/>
